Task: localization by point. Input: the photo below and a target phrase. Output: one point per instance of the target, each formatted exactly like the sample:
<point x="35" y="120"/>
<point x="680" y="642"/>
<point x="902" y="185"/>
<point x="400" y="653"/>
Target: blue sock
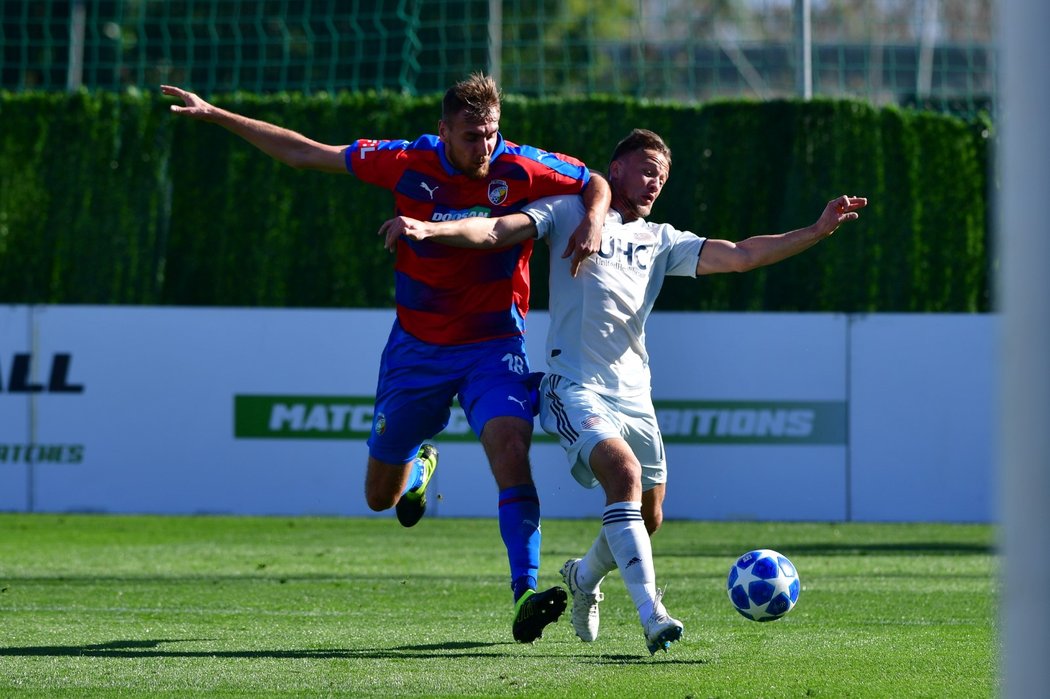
<point x="415" y="477"/>
<point x="519" y="524"/>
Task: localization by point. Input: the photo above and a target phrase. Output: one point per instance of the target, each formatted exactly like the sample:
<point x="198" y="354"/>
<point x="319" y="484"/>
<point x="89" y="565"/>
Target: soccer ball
<point x="763" y="585"/>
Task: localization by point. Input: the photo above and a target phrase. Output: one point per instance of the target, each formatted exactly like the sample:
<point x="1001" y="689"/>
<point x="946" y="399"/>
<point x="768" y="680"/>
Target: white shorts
<point x="581" y="418"/>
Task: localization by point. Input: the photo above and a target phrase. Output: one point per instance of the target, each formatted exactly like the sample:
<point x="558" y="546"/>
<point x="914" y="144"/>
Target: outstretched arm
<point x="472" y="232"/>
<point x="288" y="146"/>
<point x="587" y="238"/>
<point x="761" y="250"/>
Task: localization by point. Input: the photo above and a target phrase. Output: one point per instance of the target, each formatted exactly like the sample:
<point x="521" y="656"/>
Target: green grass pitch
<point x="129" y="606"/>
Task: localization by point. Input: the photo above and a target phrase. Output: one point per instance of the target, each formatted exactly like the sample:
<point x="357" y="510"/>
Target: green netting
<point x="935" y="53"/>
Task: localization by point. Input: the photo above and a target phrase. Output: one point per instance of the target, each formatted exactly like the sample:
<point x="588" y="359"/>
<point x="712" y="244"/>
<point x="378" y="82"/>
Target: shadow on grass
<point x="153" y="649"/>
<point x="451" y="650"/>
<point x="641" y="660"/>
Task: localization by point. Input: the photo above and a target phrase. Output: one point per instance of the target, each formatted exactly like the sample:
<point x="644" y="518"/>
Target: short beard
<point x="478" y="173"/>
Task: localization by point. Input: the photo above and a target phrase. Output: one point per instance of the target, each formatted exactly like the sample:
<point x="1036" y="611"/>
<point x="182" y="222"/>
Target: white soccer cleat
<point x="661" y="630"/>
<point x="584" y="604"/>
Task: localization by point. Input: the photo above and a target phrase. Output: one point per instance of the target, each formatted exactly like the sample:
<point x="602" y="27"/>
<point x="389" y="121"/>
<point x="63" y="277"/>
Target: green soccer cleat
<point x="413" y="504"/>
<point x="534" y="610"/>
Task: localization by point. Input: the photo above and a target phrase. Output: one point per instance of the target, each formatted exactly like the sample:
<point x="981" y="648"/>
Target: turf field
<point x="120" y="606"/>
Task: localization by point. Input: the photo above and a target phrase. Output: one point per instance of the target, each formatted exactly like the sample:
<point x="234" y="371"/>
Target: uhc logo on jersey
<point x="498" y="191"/>
<point x="626" y="254"/>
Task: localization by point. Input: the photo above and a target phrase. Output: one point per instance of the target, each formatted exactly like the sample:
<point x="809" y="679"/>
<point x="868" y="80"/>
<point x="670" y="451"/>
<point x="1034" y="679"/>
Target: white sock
<point x="595" y="564"/>
<point x="629" y="542"/>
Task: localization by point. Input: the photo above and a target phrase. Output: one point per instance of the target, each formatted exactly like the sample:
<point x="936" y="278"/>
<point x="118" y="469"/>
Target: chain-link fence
<point x="932" y="53"/>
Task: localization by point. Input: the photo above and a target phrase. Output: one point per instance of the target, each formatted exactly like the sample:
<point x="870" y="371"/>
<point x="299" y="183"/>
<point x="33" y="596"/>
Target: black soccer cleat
<point x="534" y="610"/>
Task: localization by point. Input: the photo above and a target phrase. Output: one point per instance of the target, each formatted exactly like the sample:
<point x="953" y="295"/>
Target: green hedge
<point x="109" y="198"/>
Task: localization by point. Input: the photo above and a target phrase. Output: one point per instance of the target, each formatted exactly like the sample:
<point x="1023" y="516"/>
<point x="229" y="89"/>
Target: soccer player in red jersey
<point x="460" y="312"/>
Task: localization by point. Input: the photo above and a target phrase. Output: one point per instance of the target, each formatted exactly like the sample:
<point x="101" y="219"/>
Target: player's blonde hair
<point x="477" y="99"/>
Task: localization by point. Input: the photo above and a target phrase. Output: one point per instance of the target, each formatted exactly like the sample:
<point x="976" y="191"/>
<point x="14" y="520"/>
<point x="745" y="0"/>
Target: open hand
<point x="192" y="106"/>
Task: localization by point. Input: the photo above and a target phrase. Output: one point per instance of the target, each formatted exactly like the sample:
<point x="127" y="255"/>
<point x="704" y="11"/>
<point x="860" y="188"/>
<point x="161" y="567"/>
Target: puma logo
<point x="518" y="401"/>
<point x="430" y="191"/>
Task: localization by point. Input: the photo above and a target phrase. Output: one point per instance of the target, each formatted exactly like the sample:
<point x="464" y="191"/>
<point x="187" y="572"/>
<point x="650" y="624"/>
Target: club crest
<point x="498" y="191"/>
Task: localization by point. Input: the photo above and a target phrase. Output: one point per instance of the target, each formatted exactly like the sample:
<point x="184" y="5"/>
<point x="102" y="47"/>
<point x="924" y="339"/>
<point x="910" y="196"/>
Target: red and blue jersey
<point x="453" y="296"/>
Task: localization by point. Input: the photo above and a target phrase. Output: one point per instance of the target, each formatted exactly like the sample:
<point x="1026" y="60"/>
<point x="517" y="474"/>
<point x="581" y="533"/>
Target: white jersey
<point x="597" y="326"/>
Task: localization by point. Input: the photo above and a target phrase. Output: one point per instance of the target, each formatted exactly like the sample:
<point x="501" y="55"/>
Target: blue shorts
<point x="418" y="380"/>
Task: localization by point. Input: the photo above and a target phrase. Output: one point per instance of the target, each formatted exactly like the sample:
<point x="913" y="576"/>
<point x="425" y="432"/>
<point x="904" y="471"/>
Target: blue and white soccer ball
<point x="763" y="585"/>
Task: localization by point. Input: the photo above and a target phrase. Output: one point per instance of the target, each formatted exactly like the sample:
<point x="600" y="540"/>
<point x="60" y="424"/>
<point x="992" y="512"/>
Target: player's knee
<point x="378" y="501"/>
<point x="384" y="483"/>
<point x="507" y="438"/>
<point x="514" y="453"/>
<point x="506" y="442"/>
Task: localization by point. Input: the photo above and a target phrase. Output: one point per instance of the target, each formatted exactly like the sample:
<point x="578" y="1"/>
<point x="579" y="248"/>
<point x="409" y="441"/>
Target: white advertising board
<point x="922" y="393"/>
<point x="788" y="370"/>
<point x="266" y="411"/>
<point x="155" y="417"/>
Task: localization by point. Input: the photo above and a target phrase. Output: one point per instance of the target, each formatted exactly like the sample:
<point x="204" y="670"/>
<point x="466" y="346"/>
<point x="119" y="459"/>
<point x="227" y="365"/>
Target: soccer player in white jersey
<point x="596" y="396"/>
